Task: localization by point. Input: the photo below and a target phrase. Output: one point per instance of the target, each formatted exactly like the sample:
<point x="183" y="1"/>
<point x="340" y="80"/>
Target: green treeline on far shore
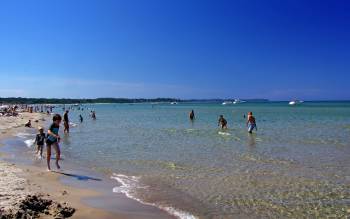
<point x="21" y="100"/>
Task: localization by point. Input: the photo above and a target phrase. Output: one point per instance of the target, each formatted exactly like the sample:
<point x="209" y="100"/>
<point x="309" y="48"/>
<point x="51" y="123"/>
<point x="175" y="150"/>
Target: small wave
<point x="73" y="124"/>
<point x="29" y="142"/>
<point x="177" y="213"/>
<point x="190" y="130"/>
<point x="264" y="159"/>
<point x="129" y="183"/>
<point x="258" y="139"/>
<point x="224" y="133"/>
<point x="24" y="135"/>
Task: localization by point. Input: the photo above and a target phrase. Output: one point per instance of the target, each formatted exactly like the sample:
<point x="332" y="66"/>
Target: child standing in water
<point x="52" y="140"/>
<point x="251" y="122"/>
<point x="39" y="141"/>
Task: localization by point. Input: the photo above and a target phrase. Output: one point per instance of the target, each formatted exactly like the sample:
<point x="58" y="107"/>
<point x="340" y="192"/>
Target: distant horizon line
<point x="161" y="99"/>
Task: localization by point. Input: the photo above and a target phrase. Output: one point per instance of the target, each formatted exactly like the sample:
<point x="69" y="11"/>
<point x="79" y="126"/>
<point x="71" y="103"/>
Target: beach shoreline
<point x="161" y="164"/>
<point x="24" y="185"/>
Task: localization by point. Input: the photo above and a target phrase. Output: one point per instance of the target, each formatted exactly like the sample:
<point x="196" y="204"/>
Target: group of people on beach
<point x="12" y="110"/>
<point x="52" y="138"/>
<point x="222" y="122"/>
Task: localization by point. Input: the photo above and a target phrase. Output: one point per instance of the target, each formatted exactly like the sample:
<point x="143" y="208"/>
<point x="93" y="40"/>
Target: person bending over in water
<point x="251" y="122"/>
<point x="52" y="140"/>
<point x="28" y="124"/>
<point x="66" y="121"/>
<point x="192" y="115"/>
<point x="222" y="122"/>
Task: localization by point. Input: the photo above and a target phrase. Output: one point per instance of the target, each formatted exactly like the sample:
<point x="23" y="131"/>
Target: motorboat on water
<point x="237" y="101"/>
<point x="173" y="103"/>
<point x="227" y="102"/>
<point x="295" y="102"/>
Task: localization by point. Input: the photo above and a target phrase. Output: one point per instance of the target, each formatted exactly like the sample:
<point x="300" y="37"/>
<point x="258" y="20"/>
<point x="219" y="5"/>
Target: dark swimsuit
<point x="40" y="139"/>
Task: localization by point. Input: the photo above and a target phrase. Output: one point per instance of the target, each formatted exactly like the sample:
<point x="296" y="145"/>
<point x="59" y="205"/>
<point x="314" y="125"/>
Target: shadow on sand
<point x="79" y="177"/>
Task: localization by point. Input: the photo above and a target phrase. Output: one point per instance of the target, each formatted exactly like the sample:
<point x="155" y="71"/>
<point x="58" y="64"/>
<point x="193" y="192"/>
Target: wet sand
<point x="23" y="186"/>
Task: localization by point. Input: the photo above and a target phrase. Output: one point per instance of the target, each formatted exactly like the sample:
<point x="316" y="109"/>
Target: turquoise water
<point x="296" y="165"/>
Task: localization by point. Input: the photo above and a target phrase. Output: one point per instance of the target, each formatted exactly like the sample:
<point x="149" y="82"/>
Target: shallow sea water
<point x="296" y="165"/>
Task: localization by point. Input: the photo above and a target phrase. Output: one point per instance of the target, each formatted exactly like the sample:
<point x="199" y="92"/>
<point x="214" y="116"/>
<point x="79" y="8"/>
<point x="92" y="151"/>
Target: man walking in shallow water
<point x="251" y="123"/>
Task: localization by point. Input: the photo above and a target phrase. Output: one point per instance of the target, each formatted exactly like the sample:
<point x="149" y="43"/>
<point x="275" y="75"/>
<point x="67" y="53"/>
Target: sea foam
<point x="29" y="142"/>
<point x="129" y="183"/>
<point x="24" y="135"/>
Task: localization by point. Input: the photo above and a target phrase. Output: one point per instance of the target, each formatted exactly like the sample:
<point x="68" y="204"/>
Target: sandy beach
<point x="28" y="191"/>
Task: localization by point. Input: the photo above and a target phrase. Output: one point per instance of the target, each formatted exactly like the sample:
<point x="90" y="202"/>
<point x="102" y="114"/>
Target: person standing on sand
<point x="192" y="116"/>
<point x="251" y="124"/>
<point x="66" y="122"/>
<point x="222" y="122"/>
<point x="52" y="140"/>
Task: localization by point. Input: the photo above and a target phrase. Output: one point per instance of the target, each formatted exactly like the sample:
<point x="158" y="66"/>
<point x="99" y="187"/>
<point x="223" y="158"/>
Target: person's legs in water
<point x="66" y="127"/>
<point x="251" y="128"/>
<point x="56" y="147"/>
<point x="37" y="149"/>
<point x="48" y="156"/>
<point x="41" y="150"/>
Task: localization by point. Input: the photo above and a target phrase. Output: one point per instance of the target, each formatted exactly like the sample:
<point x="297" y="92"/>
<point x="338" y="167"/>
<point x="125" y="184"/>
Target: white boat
<point x="173" y="103"/>
<point x="295" y="102"/>
<point x="227" y="103"/>
<point x="237" y="101"/>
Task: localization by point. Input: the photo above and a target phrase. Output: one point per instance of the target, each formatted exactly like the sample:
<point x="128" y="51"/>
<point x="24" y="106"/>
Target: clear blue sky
<point x="175" y="48"/>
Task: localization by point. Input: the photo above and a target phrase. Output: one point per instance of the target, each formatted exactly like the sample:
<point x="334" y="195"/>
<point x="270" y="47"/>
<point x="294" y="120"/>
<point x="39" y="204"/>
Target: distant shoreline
<point x="23" y="100"/>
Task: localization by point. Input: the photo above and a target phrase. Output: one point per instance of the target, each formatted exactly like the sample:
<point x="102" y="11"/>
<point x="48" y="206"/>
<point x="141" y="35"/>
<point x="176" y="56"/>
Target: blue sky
<point x="175" y="48"/>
